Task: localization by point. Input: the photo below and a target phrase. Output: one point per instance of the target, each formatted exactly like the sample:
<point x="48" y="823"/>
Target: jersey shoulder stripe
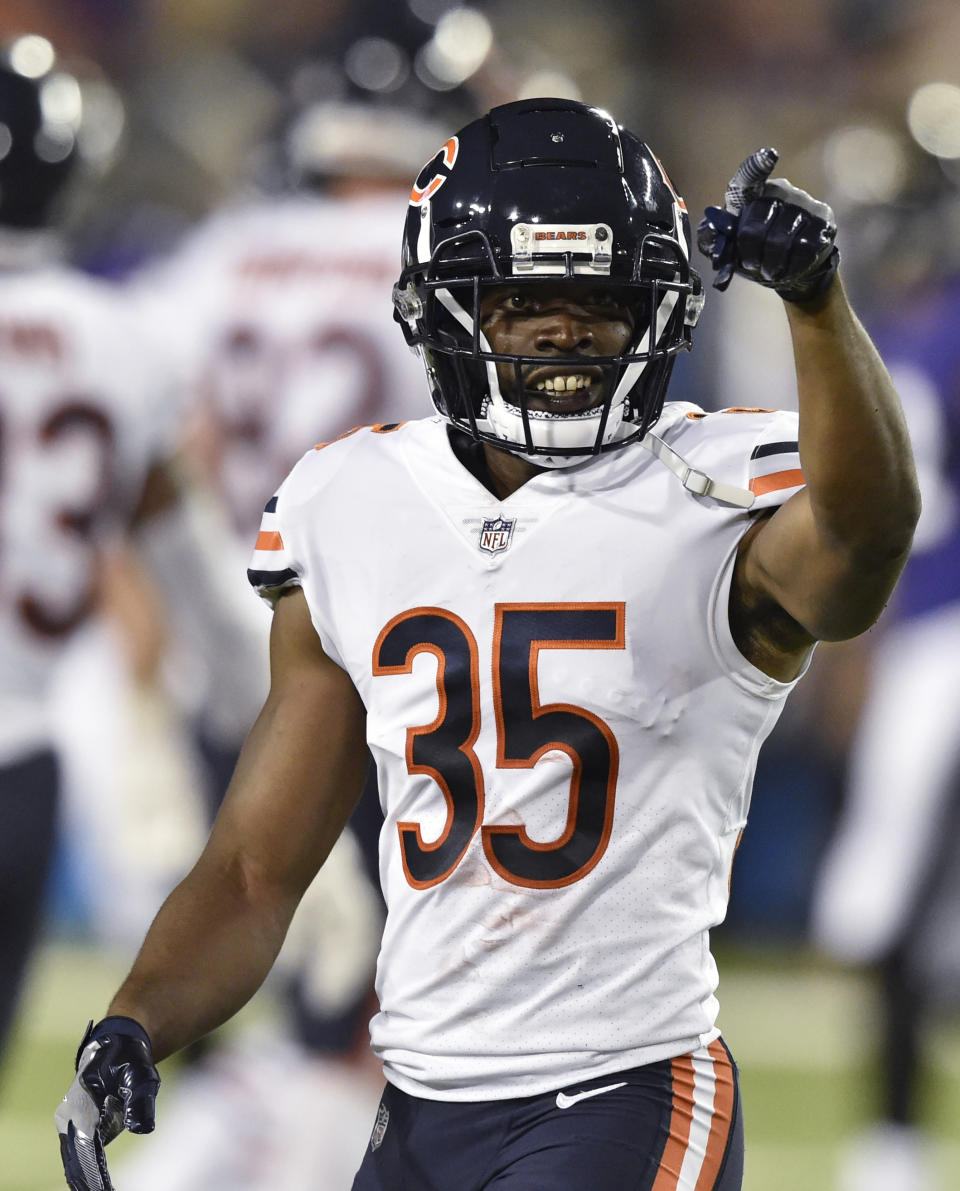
<point x="270" y="566"/>
<point x="756" y="449"/>
<point x="775" y="468"/>
<point x="274" y="564"/>
<point x="375" y="428"/>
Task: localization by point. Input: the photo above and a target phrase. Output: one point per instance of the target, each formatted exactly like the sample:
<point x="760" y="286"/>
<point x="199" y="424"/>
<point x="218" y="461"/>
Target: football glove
<point x="770" y="232"/>
<point x="115" y="1089"/>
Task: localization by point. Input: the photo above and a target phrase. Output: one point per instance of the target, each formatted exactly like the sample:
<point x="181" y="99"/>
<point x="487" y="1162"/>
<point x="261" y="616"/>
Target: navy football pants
<point x="669" y="1126"/>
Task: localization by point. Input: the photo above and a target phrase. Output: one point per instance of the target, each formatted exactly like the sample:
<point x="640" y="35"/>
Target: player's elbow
<point x="899" y="537"/>
<point x="870" y="543"/>
<point x="860" y="598"/>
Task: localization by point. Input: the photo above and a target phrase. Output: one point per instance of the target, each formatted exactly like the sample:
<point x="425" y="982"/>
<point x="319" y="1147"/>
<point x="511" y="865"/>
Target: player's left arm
<point x="823" y="566"/>
<point x="830" y="556"/>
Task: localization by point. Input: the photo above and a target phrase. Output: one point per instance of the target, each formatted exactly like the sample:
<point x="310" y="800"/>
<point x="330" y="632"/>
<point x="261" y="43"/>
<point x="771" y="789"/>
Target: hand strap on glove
<point x="109" y="1026"/>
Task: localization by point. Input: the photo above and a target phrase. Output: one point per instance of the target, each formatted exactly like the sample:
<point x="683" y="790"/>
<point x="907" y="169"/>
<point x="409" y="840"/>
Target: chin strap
<point x="695" y="481"/>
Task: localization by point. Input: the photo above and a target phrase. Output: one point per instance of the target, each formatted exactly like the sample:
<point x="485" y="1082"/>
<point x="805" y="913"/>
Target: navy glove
<point x="771" y="232"/>
<point x="115" y="1089"/>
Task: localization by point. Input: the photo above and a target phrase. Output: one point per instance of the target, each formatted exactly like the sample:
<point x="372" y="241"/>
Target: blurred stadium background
<point x="862" y="98"/>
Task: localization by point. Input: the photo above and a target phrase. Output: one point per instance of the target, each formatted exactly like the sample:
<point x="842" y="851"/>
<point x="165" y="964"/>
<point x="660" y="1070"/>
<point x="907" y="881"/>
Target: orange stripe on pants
<point x="681" y="1118"/>
<point x="720" y="1126"/>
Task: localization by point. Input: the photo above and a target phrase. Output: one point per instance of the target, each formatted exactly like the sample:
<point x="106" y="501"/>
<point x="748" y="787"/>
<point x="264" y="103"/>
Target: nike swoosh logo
<point x="564" y="1101"/>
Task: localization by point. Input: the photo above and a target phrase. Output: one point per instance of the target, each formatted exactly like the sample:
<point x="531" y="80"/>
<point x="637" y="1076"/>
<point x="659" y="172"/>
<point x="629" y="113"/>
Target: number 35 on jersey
<point x="526" y="729"/>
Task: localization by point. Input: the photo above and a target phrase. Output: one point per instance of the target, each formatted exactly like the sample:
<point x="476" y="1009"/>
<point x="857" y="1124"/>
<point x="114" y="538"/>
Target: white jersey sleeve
<point x="272" y="568"/>
<point x="279" y="558"/>
<point x="754" y="449"/>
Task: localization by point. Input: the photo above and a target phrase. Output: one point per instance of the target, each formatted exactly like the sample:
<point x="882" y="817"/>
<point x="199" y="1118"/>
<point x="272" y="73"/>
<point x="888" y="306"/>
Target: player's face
<point x="552" y="321"/>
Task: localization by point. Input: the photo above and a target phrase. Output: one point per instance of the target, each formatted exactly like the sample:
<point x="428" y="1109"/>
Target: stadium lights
<point x="31" y="55"/>
<point x="459" y="46"/>
<point x="865" y="163"/>
<point x="933" y="117"/>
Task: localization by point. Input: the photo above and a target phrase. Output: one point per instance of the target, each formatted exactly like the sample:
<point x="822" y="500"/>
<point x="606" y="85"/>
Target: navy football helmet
<point x="39" y="119"/>
<point x="546" y="189"/>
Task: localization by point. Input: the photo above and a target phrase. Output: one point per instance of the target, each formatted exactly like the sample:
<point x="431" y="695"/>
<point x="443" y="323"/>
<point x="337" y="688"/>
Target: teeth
<point x="563" y="384"/>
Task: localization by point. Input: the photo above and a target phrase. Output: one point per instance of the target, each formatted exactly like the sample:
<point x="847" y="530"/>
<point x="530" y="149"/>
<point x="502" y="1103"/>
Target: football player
<point x="277" y="310"/>
<point x="564" y="616"/>
<point x="77" y="436"/>
<point x="278" y="304"/>
<point x="84" y="455"/>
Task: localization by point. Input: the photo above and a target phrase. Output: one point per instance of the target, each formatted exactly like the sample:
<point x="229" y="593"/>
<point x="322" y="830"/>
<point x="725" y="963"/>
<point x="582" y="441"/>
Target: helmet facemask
<point x="468" y="388"/>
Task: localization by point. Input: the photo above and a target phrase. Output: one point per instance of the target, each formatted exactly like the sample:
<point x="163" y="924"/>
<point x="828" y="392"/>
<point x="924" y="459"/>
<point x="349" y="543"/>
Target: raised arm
<point x="823" y="566"/>
<point x="831" y="556"/>
<point x="217" y="935"/>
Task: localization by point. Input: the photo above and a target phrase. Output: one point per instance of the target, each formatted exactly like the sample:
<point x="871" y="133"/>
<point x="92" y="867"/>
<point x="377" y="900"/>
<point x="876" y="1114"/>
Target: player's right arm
<point x="217" y="935"/>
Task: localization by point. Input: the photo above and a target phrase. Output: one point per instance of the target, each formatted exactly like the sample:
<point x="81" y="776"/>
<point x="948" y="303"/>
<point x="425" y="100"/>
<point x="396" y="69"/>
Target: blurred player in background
<point x="547" y="1014"/>
<point x="277" y="310"/>
<point x="889" y="890"/>
<point x="86" y="430"/>
<point x="80" y="428"/>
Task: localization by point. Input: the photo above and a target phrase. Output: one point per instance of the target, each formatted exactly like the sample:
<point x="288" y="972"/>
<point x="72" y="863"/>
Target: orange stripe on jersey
<point x="269" y="539"/>
<point x="346" y="434"/>
<point x="776" y="480"/>
<point x="681" y="1118"/>
<point x="379" y="428"/>
<point x="722" y="1122"/>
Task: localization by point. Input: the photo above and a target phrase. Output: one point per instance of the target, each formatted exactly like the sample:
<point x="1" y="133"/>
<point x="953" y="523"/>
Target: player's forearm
<point x="208" y="951"/>
<point x="856" y="453"/>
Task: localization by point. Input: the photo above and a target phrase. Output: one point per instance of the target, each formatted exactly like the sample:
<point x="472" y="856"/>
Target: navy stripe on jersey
<point x="272" y="578"/>
<point x="775" y="448"/>
<point x="271" y="505"/>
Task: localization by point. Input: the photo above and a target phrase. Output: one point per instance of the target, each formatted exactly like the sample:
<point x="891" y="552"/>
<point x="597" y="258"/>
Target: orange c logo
<point x="448" y="157"/>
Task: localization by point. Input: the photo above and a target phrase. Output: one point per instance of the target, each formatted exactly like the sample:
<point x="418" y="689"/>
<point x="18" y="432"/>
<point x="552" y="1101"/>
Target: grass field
<point x="799" y="1031"/>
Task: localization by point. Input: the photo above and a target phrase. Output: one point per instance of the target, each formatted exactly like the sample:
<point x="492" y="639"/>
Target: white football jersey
<point x="80" y="423"/>
<point x="565" y="735"/>
<point x="281" y="312"/>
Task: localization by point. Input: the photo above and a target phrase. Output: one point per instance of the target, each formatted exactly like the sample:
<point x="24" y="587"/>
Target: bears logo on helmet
<point x="447" y="158"/>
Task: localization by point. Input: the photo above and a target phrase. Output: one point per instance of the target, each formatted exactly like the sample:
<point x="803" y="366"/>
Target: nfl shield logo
<point x="380" y="1128"/>
<point x="496" y="535"/>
